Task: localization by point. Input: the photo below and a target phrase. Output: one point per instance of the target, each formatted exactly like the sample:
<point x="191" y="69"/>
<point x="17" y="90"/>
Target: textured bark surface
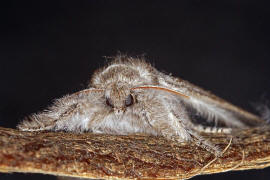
<point x="105" y="156"/>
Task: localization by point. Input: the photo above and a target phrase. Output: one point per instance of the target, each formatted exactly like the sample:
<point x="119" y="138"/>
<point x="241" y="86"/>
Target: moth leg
<point x="214" y="129"/>
<point x="173" y="128"/>
<point x="162" y="123"/>
<point x="47" y="120"/>
<point x="206" y="144"/>
<point x="33" y="123"/>
<point x="182" y="117"/>
<point x="37" y="122"/>
<point x="65" y="113"/>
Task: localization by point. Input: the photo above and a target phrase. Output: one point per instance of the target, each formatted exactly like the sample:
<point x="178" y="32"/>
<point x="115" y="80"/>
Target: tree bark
<point x="124" y="157"/>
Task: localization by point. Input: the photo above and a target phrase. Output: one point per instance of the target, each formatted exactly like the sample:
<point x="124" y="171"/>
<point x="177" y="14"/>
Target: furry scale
<point x="130" y="96"/>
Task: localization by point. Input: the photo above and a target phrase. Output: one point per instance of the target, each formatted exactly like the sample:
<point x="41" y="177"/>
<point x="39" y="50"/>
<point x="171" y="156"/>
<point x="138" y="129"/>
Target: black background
<point x="50" y="48"/>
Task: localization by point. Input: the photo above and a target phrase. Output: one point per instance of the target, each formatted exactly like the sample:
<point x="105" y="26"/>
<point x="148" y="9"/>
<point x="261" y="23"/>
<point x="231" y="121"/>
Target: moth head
<point x="119" y="97"/>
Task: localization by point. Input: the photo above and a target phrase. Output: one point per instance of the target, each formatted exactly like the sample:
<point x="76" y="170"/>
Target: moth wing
<point x="58" y="116"/>
<point x="209" y="105"/>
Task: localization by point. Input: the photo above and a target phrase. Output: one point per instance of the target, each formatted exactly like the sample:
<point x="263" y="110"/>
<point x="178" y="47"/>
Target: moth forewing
<point x="209" y="105"/>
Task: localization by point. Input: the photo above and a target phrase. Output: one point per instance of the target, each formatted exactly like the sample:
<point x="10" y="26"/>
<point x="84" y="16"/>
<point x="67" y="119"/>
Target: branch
<point x="105" y="156"/>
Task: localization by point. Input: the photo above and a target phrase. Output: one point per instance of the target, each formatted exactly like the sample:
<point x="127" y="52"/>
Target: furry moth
<point x="130" y="96"/>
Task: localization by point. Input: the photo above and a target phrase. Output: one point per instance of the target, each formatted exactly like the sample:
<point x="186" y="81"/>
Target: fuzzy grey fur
<point x="130" y="96"/>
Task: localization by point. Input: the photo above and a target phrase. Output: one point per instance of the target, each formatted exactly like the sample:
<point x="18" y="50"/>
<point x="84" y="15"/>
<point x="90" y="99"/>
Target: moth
<point x="130" y="96"/>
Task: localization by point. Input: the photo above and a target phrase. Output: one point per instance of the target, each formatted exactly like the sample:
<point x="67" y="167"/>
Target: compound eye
<point x="129" y="100"/>
<point x="109" y="102"/>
